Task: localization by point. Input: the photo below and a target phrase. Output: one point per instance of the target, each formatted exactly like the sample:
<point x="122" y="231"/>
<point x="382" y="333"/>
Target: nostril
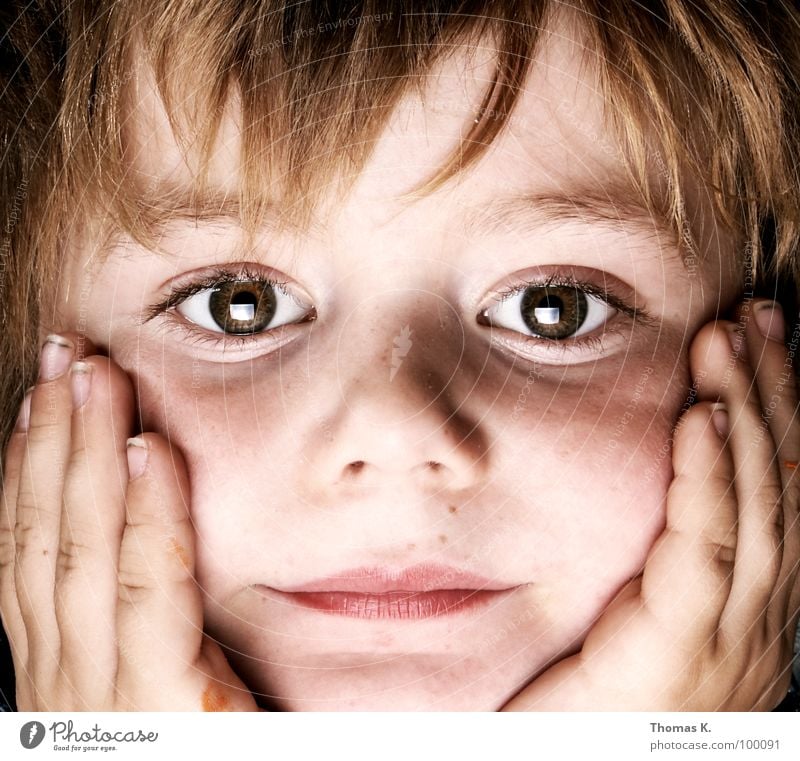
<point x="356" y="467"/>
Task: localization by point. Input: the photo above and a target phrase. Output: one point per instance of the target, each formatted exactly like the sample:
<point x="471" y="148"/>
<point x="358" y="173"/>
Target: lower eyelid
<point x="187" y="333"/>
<point x="593" y="346"/>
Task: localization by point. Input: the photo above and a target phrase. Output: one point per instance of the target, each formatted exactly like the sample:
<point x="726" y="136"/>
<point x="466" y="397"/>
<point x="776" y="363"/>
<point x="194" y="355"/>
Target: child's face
<point x="552" y="466"/>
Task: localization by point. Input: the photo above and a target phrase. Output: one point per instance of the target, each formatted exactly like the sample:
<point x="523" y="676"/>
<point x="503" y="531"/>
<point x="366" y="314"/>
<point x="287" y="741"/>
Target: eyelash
<point x="199" y="336"/>
<point x="181" y="292"/>
<point x="589" y="343"/>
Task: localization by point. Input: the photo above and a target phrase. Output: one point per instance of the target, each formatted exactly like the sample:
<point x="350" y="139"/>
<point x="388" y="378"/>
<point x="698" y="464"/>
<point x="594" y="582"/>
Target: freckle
<point x="214" y="699"/>
<point x="442" y="538"/>
<point x="181" y="552"/>
<point x="453" y="509"/>
<point x="412" y="546"/>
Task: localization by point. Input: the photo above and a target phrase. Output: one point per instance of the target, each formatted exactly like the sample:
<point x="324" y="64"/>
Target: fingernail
<point x="137" y="457"/>
<point x="719" y="417"/>
<point x="81" y="378"/>
<point x="769" y="318"/>
<point x="55" y="358"/>
<point x="24" y="417"/>
<point x="736" y="337"/>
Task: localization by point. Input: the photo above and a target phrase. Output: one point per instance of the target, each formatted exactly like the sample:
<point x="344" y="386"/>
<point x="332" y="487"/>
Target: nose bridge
<point x="401" y="410"/>
<point x="419" y="350"/>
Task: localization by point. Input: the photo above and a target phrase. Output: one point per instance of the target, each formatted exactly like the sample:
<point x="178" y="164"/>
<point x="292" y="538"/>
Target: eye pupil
<point x="553" y="311"/>
<point x="243" y="306"/>
<point x="548" y="311"/>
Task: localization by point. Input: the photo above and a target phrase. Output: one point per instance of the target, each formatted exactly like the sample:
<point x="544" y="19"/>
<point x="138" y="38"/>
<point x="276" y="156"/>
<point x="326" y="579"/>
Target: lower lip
<point x="396" y="605"/>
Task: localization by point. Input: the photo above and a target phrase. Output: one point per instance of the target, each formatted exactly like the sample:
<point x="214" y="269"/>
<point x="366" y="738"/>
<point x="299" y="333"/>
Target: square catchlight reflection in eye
<point x="242" y="312"/>
<point x="547" y="315"/>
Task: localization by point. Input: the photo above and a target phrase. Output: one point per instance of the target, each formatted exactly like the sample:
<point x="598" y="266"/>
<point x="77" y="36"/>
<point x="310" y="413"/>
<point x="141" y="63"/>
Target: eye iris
<point x="553" y="311"/>
<point x="243" y="306"/>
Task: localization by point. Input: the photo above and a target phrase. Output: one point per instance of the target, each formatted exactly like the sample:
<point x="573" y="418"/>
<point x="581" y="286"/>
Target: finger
<point x="688" y="575"/>
<point x="38" y="510"/>
<point x="9" y="605"/>
<point x="756" y="477"/>
<point x="92" y="521"/>
<point x="778" y="393"/>
<point x="159" y="615"/>
<point x="775" y="382"/>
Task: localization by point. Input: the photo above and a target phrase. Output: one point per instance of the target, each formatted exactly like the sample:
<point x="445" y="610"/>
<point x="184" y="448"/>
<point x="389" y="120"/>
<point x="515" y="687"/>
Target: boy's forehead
<point x="556" y="136"/>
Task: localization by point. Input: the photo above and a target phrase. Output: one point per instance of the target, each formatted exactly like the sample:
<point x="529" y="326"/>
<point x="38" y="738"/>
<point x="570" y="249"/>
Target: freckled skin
<point x="214" y="699"/>
<point x="181" y="553"/>
<point x="557" y="476"/>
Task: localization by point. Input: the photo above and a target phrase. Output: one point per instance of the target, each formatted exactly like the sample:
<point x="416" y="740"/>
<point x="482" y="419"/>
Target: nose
<point x="402" y="413"/>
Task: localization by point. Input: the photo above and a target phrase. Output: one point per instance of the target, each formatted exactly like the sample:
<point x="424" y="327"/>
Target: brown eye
<point x="553" y="311"/>
<point x="242" y="306"/>
<point x="549" y="311"/>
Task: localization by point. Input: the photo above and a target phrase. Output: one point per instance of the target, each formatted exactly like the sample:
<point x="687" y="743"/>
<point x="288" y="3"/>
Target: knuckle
<point x="45" y="425"/>
<point x="722" y="552"/>
<point x="29" y="527"/>
<point x="70" y="553"/>
<point x="691" y="482"/>
<point x="7" y="549"/>
<point x="77" y="542"/>
<point x="33" y="503"/>
<point x="78" y="457"/>
<point x="134" y="589"/>
<point x="26" y="540"/>
<point x="148" y="557"/>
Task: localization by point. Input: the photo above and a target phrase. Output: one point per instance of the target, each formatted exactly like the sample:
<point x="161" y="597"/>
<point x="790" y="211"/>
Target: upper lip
<point x="417" y="578"/>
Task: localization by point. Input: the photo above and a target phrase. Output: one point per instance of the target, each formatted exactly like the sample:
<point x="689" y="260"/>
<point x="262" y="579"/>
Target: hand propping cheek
<point x="709" y="624"/>
<point x="96" y="585"/>
<point x="759" y="387"/>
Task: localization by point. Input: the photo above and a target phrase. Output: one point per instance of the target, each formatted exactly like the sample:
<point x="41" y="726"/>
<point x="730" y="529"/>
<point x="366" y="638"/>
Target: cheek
<point x="590" y="465"/>
<point x="242" y="453"/>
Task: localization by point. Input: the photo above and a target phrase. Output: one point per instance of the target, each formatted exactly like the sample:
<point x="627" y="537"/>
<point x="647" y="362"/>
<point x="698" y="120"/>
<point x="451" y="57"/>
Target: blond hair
<point x="715" y="83"/>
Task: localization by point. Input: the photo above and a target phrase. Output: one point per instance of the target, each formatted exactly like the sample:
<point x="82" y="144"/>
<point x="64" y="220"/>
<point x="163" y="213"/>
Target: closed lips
<point x="422" y="591"/>
<point x="418" y="578"/>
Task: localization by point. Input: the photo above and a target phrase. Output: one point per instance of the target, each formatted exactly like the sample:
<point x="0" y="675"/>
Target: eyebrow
<point x="616" y="210"/>
<point x="185" y="208"/>
<point x="168" y="204"/>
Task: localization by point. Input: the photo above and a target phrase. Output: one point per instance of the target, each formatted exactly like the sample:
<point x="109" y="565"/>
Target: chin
<point x="410" y="681"/>
<point x="418" y="693"/>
